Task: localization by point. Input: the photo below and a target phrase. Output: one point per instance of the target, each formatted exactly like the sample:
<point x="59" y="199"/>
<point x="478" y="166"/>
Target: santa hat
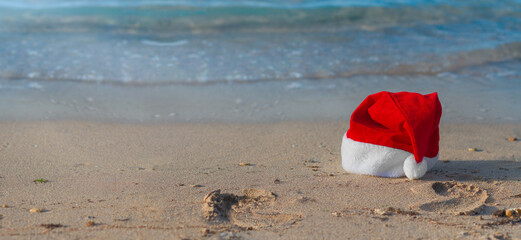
<point x="392" y="135"/>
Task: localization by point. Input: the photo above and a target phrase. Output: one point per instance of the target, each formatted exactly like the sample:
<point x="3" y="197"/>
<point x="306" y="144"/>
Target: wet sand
<point x="276" y="180"/>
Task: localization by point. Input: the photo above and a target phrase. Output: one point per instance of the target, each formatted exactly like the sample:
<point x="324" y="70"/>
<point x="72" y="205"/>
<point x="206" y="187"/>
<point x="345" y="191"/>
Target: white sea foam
<point x="294" y="85"/>
<point x="34" y="85"/>
<point x="164" y="44"/>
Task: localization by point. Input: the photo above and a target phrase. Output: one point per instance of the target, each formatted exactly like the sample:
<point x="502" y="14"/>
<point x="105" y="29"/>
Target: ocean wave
<point x="208" y="42"/>
<point x="503" y="61"/>
<point x="150" y="17"/>
<point x="287" y="4"/>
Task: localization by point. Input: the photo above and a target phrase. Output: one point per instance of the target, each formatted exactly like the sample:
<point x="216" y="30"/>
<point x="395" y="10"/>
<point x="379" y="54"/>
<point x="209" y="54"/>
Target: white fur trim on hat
<point x="376" y="160"/>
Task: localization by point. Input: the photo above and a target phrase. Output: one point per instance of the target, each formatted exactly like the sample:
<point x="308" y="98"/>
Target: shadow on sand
<point x="475" y="170"/>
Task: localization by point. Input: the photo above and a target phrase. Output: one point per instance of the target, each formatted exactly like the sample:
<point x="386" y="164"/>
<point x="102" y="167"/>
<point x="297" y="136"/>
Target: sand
<point x="245" y="181"/>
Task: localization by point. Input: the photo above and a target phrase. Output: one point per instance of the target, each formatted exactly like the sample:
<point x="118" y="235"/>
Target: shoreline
<point x="114" y="180"/>
<point x="464" y="100"/>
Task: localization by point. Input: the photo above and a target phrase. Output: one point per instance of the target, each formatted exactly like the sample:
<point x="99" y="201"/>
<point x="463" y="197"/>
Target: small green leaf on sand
<point x="40" y="180"/>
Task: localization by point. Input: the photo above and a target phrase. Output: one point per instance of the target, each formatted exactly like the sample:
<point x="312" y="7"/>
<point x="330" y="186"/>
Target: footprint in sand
<point x="252" y="210"/>
<point x="4" y="146"/>
<point x="453" y="198"/>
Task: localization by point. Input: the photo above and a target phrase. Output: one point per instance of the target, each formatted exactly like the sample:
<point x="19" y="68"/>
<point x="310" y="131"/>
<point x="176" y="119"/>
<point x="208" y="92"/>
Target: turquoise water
<point x="315" y="51"/>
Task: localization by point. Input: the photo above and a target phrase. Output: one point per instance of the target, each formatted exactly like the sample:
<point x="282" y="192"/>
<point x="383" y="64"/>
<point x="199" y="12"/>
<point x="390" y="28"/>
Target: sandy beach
<point x="276" y="181"/>
<point x="224" y="119"/>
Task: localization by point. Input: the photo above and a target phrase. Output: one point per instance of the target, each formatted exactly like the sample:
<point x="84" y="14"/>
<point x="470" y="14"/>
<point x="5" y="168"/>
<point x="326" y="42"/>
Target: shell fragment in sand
<point x="36" y="210"/>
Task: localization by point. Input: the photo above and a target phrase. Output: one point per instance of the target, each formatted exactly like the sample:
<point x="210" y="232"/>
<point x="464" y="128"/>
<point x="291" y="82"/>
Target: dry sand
<point x="281" y="180"/>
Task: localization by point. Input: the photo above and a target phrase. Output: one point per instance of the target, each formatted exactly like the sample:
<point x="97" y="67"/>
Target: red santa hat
<point x="392" y="135"/>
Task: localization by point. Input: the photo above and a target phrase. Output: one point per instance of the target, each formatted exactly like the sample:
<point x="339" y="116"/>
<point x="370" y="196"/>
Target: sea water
<point x="255" y="61"/>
